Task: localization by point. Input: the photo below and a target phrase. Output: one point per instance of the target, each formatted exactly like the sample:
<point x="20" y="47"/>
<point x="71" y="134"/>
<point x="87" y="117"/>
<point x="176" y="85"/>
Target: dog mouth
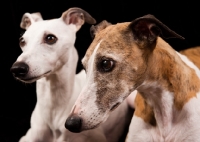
<point x="92" y="127"/>
<point x="33" y="79"/>
<point x="114" y="106"/>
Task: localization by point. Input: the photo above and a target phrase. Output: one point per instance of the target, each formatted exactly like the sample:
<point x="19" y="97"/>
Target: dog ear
<point x="78" y="17"/>
<point x="28" y="19"/>
<point x="102" y="25"/>
<point x="146" y="29"/>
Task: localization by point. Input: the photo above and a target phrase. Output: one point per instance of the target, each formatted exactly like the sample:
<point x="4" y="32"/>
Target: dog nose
<point x="73" y="123"/>
<point x="19" y="69"/>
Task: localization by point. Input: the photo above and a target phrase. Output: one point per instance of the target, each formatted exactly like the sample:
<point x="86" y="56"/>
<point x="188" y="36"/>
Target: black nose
<point x="19" y="69"/>
<point x="73" y="123"/>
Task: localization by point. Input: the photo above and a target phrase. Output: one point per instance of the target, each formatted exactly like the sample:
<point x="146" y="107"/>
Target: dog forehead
<point x="52" y="26"/>
<point x="112" y="41"/>
<point x="35" y="29"/>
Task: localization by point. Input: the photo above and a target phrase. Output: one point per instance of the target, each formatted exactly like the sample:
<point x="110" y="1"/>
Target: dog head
<point x="47" y="44"/>
<point x="115" y="63"/>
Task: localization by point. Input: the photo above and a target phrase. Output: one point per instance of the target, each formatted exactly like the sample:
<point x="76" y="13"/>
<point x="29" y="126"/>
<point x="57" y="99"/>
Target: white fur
<point x="162" y="104"/>
<point x="131" y="99"/>
<point x="189" y="117"/>
<point x="88" y="90"/>
<point x="54" y="67"/>
<point x="88" y="95"/>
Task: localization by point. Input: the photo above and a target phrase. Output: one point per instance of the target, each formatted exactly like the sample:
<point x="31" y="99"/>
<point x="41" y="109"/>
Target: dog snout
<point x="19" y="69"/>
<point x="74" y="123"/>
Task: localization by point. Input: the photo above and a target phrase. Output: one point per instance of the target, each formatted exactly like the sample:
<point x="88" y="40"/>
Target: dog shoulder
<point x="190" y="59"/>
<point x="193" y="54"/>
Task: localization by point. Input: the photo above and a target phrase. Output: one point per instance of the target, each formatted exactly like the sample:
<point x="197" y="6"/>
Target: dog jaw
<point x="32" y="79"/>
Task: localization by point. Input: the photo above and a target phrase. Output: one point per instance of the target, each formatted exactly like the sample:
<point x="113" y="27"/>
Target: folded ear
<point x="146" y="29"/>
<point x="102" y="25"/>
<point x="78" y="17"/>
<point x="28" y="19"/>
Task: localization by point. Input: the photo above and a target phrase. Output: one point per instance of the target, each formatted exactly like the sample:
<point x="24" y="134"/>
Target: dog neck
<point x="63" y="78"/>
<point x="167" y="92"/>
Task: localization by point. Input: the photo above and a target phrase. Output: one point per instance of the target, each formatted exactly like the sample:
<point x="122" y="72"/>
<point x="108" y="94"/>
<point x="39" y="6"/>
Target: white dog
<point x="50" y="58"/>
<point x="132" y="56"/>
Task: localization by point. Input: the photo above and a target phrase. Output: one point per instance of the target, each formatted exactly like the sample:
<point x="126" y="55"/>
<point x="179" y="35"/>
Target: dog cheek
<point x="86" y="99"/>
<point x="107" y="97"/>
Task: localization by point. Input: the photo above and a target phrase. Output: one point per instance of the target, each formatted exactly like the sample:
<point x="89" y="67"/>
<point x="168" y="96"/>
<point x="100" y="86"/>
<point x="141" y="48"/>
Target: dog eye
<point x="106" y="65"/>
<point x="21" y="42"/>
<point x="50" y="39"/>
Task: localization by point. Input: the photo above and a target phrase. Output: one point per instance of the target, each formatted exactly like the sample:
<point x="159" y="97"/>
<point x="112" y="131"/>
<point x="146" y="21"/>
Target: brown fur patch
<point x="98" y="28"/>
<point x="168" y="69"/>
<point x="143" y="110"/>
<point x="190" y="85"/>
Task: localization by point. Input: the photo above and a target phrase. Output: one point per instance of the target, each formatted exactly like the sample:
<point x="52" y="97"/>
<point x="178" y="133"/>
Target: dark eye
<point x="50" y="39"/>
<point x="106" y="65"/>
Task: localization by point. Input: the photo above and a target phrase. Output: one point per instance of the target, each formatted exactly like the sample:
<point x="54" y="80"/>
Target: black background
<point x="18" y="99"/>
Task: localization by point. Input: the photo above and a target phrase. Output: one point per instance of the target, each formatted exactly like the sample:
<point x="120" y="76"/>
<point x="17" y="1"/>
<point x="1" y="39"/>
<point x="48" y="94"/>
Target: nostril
<point x="73" y="123"/>
<point x="19" y="69"/>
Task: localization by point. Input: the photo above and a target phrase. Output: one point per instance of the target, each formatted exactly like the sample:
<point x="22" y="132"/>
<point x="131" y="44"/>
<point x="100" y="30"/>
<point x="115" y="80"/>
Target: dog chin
<point x="90" y="127"/>
<point x="33" y="79"/>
